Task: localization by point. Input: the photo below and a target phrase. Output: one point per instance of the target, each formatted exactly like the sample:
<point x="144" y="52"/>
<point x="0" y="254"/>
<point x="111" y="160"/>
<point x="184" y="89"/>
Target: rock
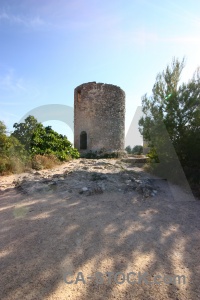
<point x="125" y="176"/>
<point x="101" y="185"/>
<point x="133" y="178"/>
<point x="102" y="163"/>
<point x="128" y="181"/>
<point x="68" y="172"/>
<point x="85" y="168"/>
<point x="153" y="193"/>
<point x="97" y="167"/>
<point x="45" y="180"/>
<point x="103" y="177"/>
<point x="149" y="187"/>
<point x="56" y="175"/>
<point x="31" y="171"/>
<point x="146" y="194"/>
<point x="82" y="161"/>
<point x="95" y="190"/>
<point x="134" y="186"/>
<point x="55" y="180"/>
<point x="138" y="181"/>
<point x="37" y="173"/>
<point x="84" y="189"/>
<point x="53" y="183"/>
<point x="98" y="176"/>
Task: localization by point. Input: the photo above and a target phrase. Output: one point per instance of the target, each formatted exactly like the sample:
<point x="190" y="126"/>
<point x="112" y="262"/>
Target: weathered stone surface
<point x="99" y="111"/>
<point x="98" y="176"/>
<point x="82" y="179"/>
<point x="95" y="190"/>
<point x="134" y="160"/>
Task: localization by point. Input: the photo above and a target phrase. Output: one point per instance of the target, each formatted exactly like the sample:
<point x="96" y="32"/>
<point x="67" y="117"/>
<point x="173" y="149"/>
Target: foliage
<point x="128" y="149"/>
<point x="13" y="156"/>
<point x="176" y="107"/>
<point x="138" y="149"/>
<point x="32" y="145"/>
<point x="46" y="161"/>
<point x="38" y="139"/>
<point x="101" y="154"/>
<point x="2" y="128"/>
<point x="24" y="131"/>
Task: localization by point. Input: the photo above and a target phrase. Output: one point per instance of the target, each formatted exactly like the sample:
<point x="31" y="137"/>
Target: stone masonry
<point x="99" y="117"/>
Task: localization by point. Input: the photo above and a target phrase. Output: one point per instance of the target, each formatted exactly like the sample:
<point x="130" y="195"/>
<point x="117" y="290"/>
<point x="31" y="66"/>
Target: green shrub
<point x="41" y="140"/>
<point x="32" y="145"/>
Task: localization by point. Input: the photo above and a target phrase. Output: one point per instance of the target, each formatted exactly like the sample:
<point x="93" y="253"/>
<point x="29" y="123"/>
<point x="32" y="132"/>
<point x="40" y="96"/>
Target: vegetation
<point x="32" y="145"/>
<point x="13" y="156"/>
<point x="101" y="154"/>
<point x="128" y="149"/>
<point x="137" y="150"/>
<point x="176" y="106"/>
<point x="38" y="139"/>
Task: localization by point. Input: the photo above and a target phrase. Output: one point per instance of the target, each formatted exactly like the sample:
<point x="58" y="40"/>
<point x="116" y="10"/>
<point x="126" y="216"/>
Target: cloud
<point x="9" y="119"/>
<point x="193" y="40"/>
<point x="12" y="86"/>
<point x="33" y="22"/>
<point x="10" y="82"/>
<point x="180" y="12"/>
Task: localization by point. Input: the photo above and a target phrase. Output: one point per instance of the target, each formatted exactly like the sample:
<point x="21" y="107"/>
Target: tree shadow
<point x="51" y="232"/>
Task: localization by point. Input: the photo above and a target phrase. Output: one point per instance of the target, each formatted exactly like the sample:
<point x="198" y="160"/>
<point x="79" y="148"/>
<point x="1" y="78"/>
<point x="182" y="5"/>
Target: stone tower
<point x="99" y="118"/>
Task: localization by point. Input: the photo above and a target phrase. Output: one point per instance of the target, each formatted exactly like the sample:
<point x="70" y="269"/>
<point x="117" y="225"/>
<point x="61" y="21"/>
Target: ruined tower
<point x="99" y="118"/>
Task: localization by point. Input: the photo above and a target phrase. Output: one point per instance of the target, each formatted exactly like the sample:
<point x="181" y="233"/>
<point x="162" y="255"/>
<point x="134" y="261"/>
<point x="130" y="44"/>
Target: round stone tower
<point x="99" y="118"/>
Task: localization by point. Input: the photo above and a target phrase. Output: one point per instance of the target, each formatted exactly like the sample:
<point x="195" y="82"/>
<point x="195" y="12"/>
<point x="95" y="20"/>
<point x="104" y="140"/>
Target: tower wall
<point x="99" y="116"/>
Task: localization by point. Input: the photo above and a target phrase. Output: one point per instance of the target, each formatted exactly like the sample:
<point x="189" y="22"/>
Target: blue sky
<point x="50" y="47"/>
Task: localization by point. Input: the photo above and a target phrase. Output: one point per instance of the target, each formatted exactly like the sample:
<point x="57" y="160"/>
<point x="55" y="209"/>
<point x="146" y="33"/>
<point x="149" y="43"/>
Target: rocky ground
<point x="96" y="215"/>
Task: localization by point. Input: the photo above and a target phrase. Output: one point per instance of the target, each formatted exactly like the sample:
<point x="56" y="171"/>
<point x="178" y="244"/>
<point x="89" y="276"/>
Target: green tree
<point x="177" y="106"/>
<point x="3" y="138"/>
<point x="138" y="149"/>
<point x="128" y="149"/>
<point x="38" y="139"/>
<point x="13" y="156"/>
<point x="47" y="141"/>
<point x="24" y="131"/>
<point x="2" y="128"/>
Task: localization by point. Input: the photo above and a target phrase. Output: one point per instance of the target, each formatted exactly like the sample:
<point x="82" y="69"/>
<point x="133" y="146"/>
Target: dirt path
<point x="96" y="216"/>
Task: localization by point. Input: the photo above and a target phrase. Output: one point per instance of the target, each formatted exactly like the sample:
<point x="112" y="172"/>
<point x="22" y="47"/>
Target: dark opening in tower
<point x="83" y="140"/>
<point x="79" y="96"/>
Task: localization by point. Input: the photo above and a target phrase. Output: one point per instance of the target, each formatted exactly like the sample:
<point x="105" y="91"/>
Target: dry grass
<point x="11" y="165"/>
<point x="40" y="162"/>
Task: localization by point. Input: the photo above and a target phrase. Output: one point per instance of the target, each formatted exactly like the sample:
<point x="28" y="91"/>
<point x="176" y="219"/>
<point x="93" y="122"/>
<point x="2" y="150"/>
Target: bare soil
<point x="88" y="216"/>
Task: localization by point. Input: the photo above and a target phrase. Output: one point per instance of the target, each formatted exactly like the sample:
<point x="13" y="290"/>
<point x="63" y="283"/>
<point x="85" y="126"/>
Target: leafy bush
<point x="101" y="154"/>
<point x="13" y="157"/>
<point x="138" y="149"/>
<point x="128" y="149"/>
<point x="38" y="139"/>
<point x="90" y="155"/>
<point x="32" y="145"/>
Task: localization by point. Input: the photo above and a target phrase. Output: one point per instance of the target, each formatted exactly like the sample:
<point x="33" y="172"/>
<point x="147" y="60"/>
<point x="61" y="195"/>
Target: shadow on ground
<point x="45" y="235"/>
